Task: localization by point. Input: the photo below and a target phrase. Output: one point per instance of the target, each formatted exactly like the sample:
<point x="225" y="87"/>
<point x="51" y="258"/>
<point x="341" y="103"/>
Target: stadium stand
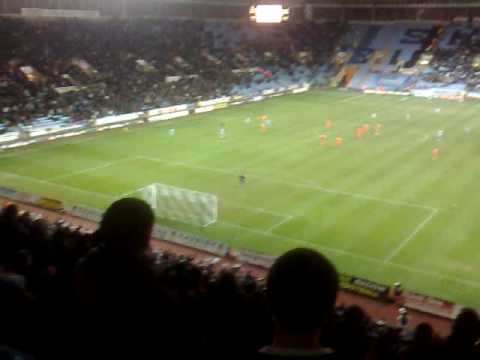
<point x="389" y="57"/>
<point x="454" y="62"/>
<point x="55" y="75"/>
<point x="62" y="290"/>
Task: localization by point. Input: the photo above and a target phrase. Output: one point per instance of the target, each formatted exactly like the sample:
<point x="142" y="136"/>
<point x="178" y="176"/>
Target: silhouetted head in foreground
<point x="126" y="226"/>
<point x="466" y="328"/>
<point x="302" y="288"/>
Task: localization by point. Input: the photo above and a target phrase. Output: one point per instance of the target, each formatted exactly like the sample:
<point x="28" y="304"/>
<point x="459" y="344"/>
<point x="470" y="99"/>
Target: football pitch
<point x="379" y="207"/>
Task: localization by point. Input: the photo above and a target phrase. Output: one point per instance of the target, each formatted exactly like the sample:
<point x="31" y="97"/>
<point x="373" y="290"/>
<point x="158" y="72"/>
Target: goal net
<point x="174" y="203"/>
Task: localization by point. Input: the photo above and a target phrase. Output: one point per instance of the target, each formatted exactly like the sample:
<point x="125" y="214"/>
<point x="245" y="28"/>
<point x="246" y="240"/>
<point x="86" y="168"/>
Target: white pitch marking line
<point x="254" y="209"/>
<point x="357" y="256"/>
<point x="296" y="184"/>
<point x="28" y="150"/>
<point x="368" y="197"/>
<point x="325" y="248"/>
<point x="87" y="170"/>
<point x="70" y="188"/>
<point x="280" y="223"/>
<point x="410" y="236"/>
<point x="301" y="242"/>
<point x="285" y="238"/>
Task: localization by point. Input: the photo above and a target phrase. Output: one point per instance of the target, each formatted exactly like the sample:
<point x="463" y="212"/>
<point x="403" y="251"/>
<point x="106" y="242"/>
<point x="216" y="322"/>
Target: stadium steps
<point x="362" y="55"/>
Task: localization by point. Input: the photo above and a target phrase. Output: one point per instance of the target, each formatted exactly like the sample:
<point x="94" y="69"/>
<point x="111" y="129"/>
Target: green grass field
<point x="378" y="207"/>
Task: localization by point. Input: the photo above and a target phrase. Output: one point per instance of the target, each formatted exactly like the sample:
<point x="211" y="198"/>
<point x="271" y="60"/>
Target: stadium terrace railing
<point x="354" y="284"/>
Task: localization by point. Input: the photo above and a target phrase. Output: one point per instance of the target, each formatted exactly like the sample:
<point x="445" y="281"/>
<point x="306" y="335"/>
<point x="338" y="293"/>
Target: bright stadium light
<point x="269" y="14"/>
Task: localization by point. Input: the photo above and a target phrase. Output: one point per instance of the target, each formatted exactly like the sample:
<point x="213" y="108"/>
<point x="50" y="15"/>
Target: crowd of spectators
<point x="459" y="64"/>
<point x="67" y="293"/>
<point x="85" y="69"/>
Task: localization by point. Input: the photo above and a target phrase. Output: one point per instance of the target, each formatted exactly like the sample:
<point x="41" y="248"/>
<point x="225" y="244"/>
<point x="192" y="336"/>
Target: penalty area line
<point x="88" y="170"/>
<point x="60" y="186"/>
<point x="356" y="256"/>
<point x="286" y="219"/>
<point x="411" y="236"/>
<point x="305" y="185"/>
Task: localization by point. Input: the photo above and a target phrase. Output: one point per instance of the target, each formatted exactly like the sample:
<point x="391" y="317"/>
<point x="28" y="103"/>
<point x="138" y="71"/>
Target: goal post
<point x="179" y="204"/>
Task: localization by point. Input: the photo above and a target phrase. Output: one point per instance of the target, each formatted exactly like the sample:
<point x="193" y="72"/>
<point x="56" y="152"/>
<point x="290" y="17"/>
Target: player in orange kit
<point x="359" y="132"/>
<point x="328" y="124"/>
<point x="338" y="141"/>
<point x="323" y="139"/>
<point x="435" y="153"/>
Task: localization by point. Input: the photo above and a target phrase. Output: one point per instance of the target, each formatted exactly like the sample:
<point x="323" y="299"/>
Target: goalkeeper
<point x="242" y="178"/>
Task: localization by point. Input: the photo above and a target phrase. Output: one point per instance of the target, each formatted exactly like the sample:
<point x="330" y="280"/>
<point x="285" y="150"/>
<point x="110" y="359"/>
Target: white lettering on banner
<point x="269" y="91"/>
<point x="116" y="126"/>
<point x="18" y="144"/>
<point x="386" y="92"/>
<point x="9" y="136"/>
<point x="52" y="130"/>
<point x="117" y="118"/>
<point x="67" y="135"/>
<point x="35" y="12"/>
<point x="258" y="98"/>
<point x="473" y="95"/>
<point x="166" y="110"/>
<point x="40" y="132"/>
<point x="294" y="86"/>
<point x="214" y="101"/>
<point x="300" y="90"/>
<point x="204" y="109"/>
<point x="423" y="93"/>
<point x="447" y="94"/>
<point x="168" y="116"/>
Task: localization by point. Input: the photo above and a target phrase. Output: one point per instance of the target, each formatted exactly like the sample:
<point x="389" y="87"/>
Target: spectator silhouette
<point x="302" y="288"/>
<point x="460" y="344"/>
<point x="116" y="287"/>
<point x="120" y="261"/>
<point x="422" y="344"/>
<point x="351" y="334"/>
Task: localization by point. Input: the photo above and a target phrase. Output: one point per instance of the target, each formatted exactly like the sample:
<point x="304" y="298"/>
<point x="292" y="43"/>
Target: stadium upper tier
<point x="413" y="57"/>
<point x="56" y="73"/>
